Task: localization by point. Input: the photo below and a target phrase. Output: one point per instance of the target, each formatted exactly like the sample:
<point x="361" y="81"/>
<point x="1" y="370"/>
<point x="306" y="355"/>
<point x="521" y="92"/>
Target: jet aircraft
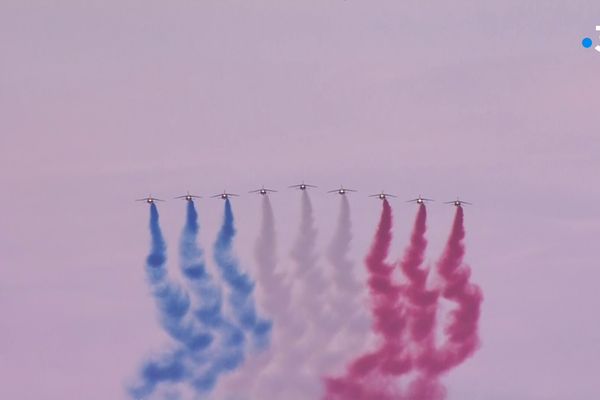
<point x="341" y="190"/>
<point x="382" y="195"/>
<point x="419" y="200"/>
<point x="262" y="191"/>
<point x="303" y="186"/>
<point x="224" y="195"/>
<point x="188" y="197"/>
<point x="458" y="202"/>
<point x="149" y="199"/>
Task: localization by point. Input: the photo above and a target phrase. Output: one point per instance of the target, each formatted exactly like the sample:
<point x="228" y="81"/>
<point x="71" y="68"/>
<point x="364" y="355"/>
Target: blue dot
<point x="586" y="42"/>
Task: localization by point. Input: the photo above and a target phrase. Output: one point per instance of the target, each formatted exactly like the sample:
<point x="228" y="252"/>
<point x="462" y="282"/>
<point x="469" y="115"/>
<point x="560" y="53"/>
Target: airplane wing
<point x="390" y="195"/>
<point x="157" y="199"/>
<point x="350" y="190"/>
<point x="334" y="191"/>
<point x="233" y="194"/>
<point x="215" y="196"/>
<point x="312" y="186"/>
<point x="422" y="199"/>
<point x="265" y="189"/>
<point x="466" y="202"/>
<point x="141" y="199"/>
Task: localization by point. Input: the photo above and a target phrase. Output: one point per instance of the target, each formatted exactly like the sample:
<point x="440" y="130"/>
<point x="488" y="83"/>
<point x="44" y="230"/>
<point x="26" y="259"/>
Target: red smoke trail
<point x="461" y="332"/>
<point x="421" y="312"/>
<point x="364" y="380"/>
<point x="370" y="377"/>
<point x="421" y="308"/>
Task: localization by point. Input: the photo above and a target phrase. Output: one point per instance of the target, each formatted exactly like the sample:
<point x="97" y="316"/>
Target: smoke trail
<point x="421" y="309"/>
<point x="338" y="251"/>
<point x="172" y="301"/>
<point x="292" y="373"/>
<point x="241" y="287"/>
<point x="346" y="286"/>
<point x="387" y="310"/>
<point x="312" y="303"/>
<point x="461" y="332"/>
<point x="325" y="306"/>
<point x="228" y="350"/>
<point x="422" y="302"/>
<point x="275" y="291"/>
<point x="421" y="319"/>
<point x="346" y="303"/>
<point x="274" y="296"/>
<point x="173" y="304"/>
<point x="166" y="368"/>
<point x="366" y="378"/>
<point x="310" y="277"/>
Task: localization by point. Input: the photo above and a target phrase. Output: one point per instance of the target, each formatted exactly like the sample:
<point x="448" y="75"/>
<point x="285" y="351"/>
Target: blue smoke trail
<point x="240" y="297"/>
<point x="168" y="368"/>
<point x="229" y="353"/>
<point x="173" y="304"/>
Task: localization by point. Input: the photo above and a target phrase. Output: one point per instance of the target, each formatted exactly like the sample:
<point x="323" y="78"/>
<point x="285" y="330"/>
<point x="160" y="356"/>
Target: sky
<point x="103" y="102"/>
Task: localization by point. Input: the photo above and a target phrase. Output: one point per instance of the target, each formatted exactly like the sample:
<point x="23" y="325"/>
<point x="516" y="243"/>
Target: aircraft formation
<point x="303" y="186"/>
<point x="330" y="284"/>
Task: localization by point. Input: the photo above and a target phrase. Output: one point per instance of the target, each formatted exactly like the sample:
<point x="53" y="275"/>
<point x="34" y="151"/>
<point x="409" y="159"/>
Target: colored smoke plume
<point x="461" y="338"/>
<point x="241" y="299"/>
<point x="173" y="304"/>
<point x="227" y="352"/>
<point x="367" y="376"/>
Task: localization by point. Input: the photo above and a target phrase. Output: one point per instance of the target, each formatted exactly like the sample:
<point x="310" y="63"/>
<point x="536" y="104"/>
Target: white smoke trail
<point x="293" y="373"/>
<point x="347" y="310"/>
<point x="275" y="296"/>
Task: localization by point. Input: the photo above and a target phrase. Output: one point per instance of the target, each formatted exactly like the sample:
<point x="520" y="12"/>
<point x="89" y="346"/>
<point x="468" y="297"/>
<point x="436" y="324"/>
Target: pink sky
<point x="104" y="102"/>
